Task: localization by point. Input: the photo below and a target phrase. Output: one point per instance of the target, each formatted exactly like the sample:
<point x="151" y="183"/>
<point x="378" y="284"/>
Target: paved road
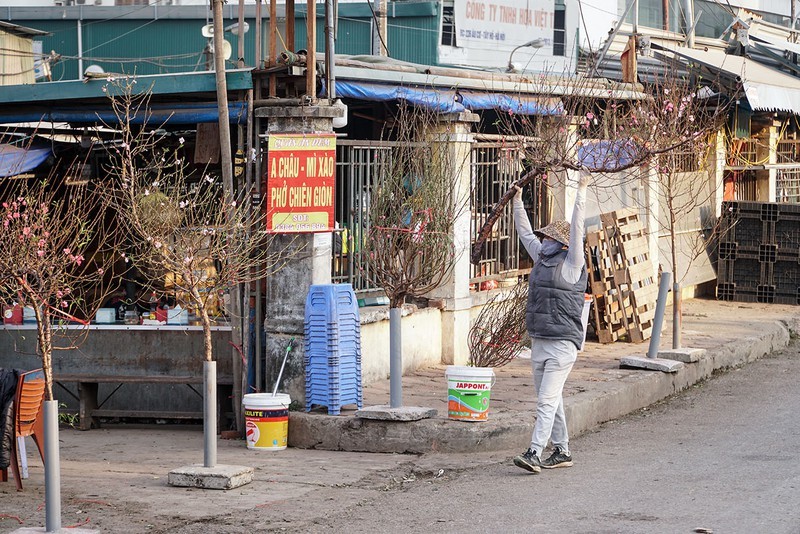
<point x="723" y="456"/>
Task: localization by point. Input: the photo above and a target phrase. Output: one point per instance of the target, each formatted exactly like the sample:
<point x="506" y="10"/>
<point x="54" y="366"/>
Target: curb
<point x="634" y="390"/>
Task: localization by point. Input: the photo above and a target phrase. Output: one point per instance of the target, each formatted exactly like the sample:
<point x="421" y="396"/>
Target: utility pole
<point x="227" y="184"/>
<point x="379" y="35"/>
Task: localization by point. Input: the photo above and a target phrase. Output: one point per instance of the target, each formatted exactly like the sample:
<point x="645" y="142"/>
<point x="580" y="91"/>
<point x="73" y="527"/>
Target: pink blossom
<point x="67" y="251"/>
<point x="59" y="294"/>
<point x="16" y="215"/>
<point x="100" y="271"/>
<point x="40" y="253"/>
<point x="590" y="115"/>
<point x="5" y="204"/>
<point x="42" y="243"/>
<point x="64" y="304"/>
<point x="26" y="231"/>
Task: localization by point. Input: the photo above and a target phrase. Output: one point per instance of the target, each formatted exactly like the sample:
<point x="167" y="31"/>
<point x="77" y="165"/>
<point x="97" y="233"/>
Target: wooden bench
<point x="91" y="408"/>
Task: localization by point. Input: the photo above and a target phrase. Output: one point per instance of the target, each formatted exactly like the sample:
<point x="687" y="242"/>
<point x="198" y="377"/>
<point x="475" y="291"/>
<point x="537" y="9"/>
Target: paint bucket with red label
<point x="266" y="420"/>
<point x="468" y="392"/>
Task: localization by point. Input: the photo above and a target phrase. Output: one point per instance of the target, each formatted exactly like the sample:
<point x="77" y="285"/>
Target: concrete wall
<point x="422" y="341"/>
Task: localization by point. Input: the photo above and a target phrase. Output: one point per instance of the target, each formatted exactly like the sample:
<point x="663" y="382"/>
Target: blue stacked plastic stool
<point x="332" y="347"/>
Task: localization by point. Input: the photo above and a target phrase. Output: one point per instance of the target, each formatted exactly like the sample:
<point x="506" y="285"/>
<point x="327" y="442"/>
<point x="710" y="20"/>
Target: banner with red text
<point x="301" y="175"/>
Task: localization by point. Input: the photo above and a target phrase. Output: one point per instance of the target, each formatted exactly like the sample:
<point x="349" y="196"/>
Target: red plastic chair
<point x="28" y="418"/>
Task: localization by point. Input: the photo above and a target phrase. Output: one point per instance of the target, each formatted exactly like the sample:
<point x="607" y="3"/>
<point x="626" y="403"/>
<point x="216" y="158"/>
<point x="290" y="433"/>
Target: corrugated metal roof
<point x="766" y="89"/>
<point x="20" y="30"/>
<point x="409" y="74"/>
<point x="162" y="84"/>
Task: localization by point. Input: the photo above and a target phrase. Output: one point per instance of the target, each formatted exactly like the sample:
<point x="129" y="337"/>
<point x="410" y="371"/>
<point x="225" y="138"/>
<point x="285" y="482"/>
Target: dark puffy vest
<point x="554" y="306"/>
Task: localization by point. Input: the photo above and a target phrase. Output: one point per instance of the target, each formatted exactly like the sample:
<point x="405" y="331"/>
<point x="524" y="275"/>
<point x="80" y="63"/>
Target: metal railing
<point x="495" y="165"/>
<point x="360" y="165"/>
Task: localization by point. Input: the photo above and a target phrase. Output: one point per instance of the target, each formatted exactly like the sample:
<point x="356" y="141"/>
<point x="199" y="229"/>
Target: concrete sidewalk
<point x="597" y="390"/>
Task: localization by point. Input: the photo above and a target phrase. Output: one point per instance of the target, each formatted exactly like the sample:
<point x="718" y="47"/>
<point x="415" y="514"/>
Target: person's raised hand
<point x="518" y="194"/>
<point x="585" y="179"/>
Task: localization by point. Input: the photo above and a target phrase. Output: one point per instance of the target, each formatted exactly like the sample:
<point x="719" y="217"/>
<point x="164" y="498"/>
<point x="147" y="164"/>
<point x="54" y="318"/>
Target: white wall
<point x="422" y="342"/>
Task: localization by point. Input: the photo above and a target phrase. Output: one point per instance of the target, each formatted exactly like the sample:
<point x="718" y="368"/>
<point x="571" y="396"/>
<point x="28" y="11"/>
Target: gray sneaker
<point x="557" y="459"/>
<point x="528" y="461"/>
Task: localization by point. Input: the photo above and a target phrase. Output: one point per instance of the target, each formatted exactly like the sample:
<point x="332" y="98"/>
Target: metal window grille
<point x="788" y="186"/>
<point x="360" y="166"/>
<point x="746" y="186"/>
<point x="788" y="151"/>
<point x="559" y="30"/>
<point x="685" y="161"/>
<point x="495" y="165"/>
<point x="448" y="26"/>
<point x="788" y="180"/>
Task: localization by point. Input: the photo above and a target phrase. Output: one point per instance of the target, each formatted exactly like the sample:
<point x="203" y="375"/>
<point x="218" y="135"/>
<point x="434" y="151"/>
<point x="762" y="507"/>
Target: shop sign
<point x="301" y="175"/>
<point x="502" y="24"/>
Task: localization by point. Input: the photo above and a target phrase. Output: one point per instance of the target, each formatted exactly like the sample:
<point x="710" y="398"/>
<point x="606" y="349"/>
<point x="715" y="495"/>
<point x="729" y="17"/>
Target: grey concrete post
<point x="454" y="130"/>
<point x="308" y="262"/>
<point x="52" y="468"/>
<point x="210" y="414"/>
<point x="658" y="320"/>
<point x="767" y="179"/>
<point x="677" y="315"/>
<point x="395" y="357"/>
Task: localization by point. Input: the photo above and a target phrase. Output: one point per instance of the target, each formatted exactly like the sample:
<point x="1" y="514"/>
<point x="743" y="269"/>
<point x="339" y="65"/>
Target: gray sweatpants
<point x="552" y="360"/>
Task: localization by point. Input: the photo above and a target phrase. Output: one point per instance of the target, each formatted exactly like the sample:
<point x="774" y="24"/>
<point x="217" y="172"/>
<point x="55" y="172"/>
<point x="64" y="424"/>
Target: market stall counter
<point x="118" y="371"/>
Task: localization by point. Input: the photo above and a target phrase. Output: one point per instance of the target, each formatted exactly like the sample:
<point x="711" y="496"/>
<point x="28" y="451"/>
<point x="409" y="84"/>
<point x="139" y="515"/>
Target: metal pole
<point x="210" y="414"/>
<point x="688" y="17"/>
<point x="330" y="52"/>
<point x="80" y="49"/>
<point x="676" y="315"/>
<point x="52" y="468"/>
<point x="658" y="320"/>
<point x="257" y="51"/>
<point x="395" y="358"/>
<point x="240" y="36"/>
<point x="635" y="17"/>
<point x="604" y="51"/>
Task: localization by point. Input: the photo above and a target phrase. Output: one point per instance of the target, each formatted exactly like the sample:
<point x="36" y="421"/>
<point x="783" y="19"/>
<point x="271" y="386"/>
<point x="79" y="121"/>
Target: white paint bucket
<point x="266" y="420"/>
<point x="468" y="392"/>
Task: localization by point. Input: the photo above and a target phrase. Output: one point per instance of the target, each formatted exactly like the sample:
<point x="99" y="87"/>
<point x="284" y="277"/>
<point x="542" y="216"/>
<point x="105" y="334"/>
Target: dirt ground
<point x="115" y="480"/>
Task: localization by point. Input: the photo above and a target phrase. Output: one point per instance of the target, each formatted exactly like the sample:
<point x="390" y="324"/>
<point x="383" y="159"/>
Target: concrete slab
<point x="221" y="477"/>
<point x="685" y="355"/>
<point x="404" y="413"/>
<point x="655" y="364"/>
<point x="70" y="530"/>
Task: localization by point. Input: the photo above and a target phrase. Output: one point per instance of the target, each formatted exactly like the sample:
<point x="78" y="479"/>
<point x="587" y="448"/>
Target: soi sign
<point x="301" y="173"/>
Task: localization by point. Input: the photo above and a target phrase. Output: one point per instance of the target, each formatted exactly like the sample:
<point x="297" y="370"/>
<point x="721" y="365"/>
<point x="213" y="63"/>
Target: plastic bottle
<point x="153" y="305"/>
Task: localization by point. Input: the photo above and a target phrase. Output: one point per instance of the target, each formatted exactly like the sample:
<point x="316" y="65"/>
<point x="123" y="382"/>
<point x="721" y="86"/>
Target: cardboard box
<point x="106" y="316"/>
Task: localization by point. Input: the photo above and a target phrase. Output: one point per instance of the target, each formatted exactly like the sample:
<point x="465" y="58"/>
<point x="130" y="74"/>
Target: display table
<point x="118" y="354"/>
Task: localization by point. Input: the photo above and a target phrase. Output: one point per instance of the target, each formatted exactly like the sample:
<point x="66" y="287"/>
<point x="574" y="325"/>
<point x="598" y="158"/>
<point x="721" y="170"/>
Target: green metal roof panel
<point x="410" y="38"/>
<point x="161" y="84"/>
<point x="134" y="46"/>
<point x="362" y="10"/>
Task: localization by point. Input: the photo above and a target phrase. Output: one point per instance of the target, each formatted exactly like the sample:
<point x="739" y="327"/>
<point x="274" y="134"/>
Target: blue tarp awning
<point x="597" y="155"/>
<point x="518" y="104"/>
<point x="444" y="100"/>
<point x="16" y="160"/>
<point x="156" y="114"/>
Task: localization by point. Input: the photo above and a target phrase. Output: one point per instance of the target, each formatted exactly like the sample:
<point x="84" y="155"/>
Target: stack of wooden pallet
<point x="622" y="279"/>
